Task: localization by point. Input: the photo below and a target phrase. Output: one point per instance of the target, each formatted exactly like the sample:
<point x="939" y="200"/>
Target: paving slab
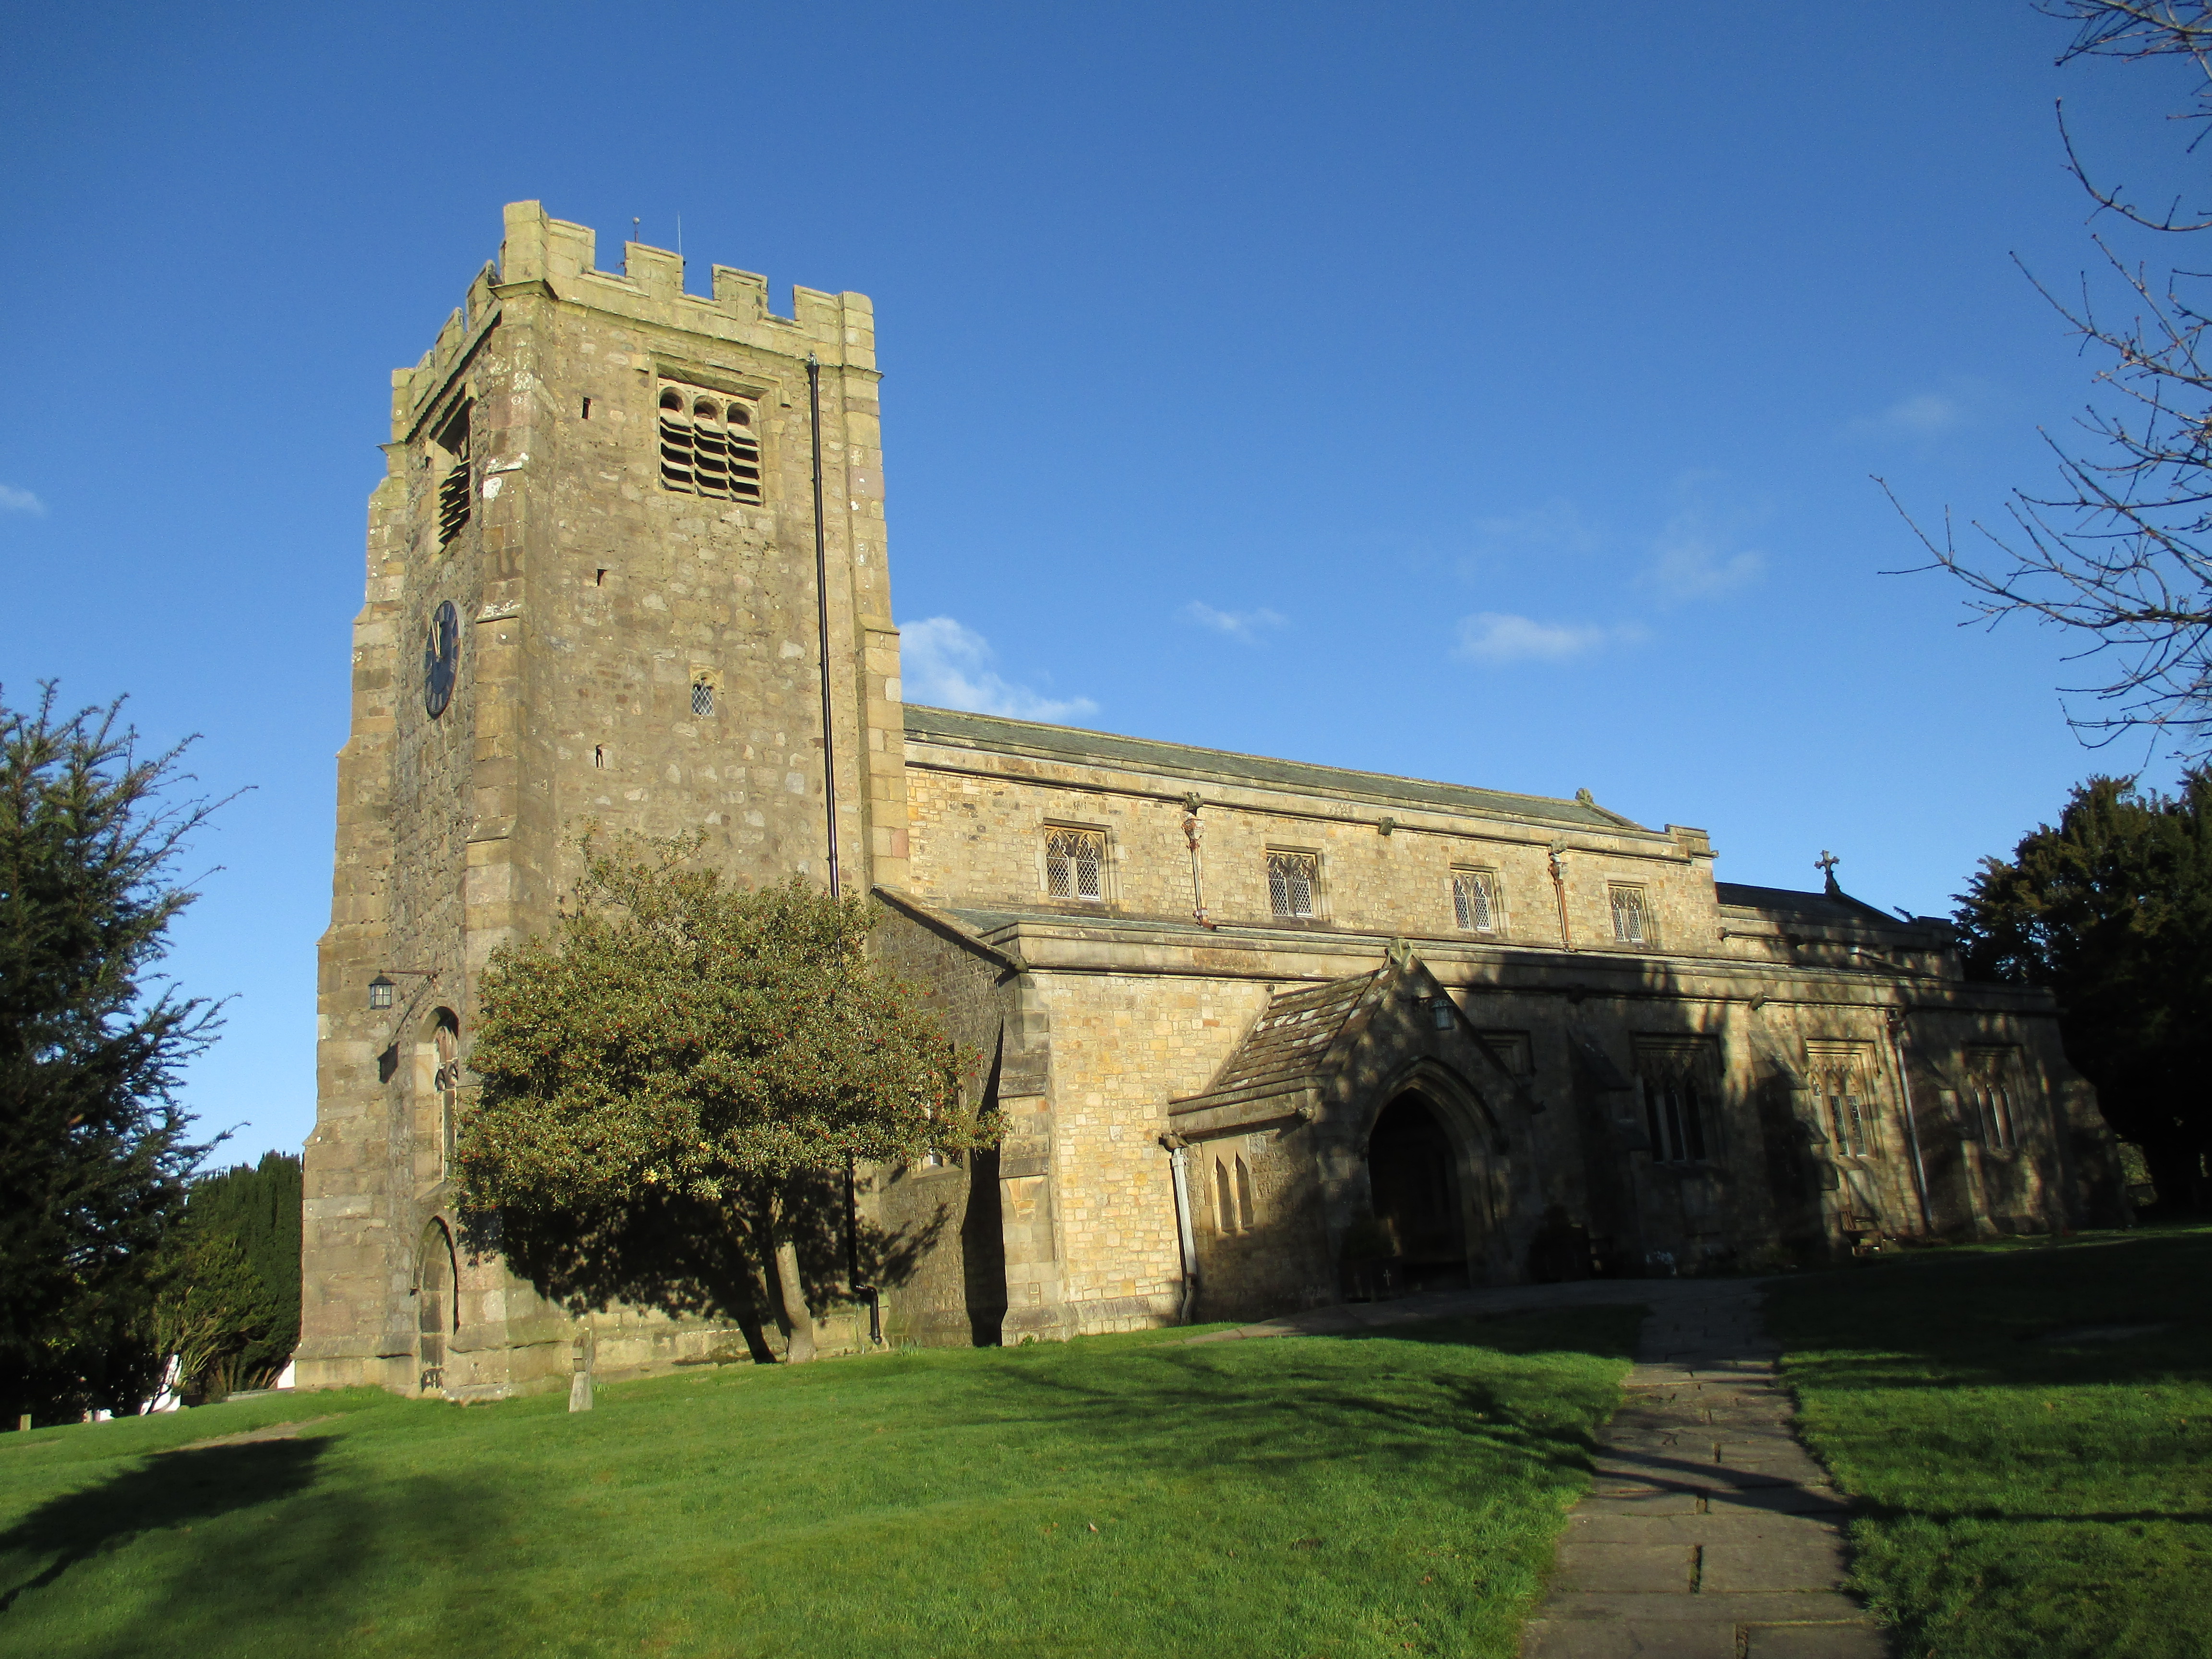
<point x="1710" y="1532"/>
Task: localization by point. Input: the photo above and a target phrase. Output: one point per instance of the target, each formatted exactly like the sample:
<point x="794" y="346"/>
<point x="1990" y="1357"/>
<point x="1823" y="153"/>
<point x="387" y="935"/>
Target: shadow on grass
<point x="172" y="1490"/>
<point x="1522" y="1393"/>
<point x="189" y="1551"/>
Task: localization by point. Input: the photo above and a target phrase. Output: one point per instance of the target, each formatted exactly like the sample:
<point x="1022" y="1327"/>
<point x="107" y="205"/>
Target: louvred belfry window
<point x="449" y="448"/>
<point x="1075" y="864"/>
<point x="708" y="444"/>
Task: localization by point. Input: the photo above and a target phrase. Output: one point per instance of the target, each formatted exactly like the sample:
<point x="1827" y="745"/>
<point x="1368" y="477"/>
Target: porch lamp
<point x="381" y="987"/>
<point x="1445" y="1014"/>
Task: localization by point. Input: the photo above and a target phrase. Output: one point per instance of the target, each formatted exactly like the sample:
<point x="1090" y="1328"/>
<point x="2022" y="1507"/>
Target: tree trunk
<point x="796" y="1320"/>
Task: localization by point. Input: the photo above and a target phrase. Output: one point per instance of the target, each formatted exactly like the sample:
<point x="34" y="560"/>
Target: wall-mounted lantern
<point x="380" y="992"/>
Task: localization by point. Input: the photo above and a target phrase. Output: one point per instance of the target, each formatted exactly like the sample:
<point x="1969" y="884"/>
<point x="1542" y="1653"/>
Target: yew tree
<point x="93" y="1153"/>
<point x="2111" y="909"/>
<point x="677" y="1038"/>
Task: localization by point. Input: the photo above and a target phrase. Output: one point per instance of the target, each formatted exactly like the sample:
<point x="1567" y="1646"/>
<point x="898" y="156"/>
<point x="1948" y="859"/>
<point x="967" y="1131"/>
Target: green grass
<point x="1336" y="1495"/>
<point x="2021" y="1496"/>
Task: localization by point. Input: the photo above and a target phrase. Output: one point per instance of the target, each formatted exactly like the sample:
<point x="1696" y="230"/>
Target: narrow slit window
<point x="702" y="698"/>
<point x="1075" y="864"/>
<point x="1292" y="879"/>
<point x="1224" y="1200"/>
<point x="1632" y="918"/>
<point x="1243" y="1194"/>
<point x="1475" y="901"/>
<point x="707" y="445"/>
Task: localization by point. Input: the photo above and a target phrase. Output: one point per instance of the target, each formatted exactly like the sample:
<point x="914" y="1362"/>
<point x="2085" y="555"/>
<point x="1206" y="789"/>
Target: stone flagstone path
<point x="1711" y="1532"/>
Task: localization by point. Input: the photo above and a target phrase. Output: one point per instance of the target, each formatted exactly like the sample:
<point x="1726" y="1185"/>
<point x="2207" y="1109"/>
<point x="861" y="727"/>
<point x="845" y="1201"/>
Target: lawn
<point x="2033" y="1479"/>
<point x="1303" y="1496"/>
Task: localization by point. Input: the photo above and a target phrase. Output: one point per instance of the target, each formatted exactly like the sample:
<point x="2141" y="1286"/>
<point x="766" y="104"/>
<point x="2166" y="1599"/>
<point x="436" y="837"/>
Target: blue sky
<point x="1484" y="391"/>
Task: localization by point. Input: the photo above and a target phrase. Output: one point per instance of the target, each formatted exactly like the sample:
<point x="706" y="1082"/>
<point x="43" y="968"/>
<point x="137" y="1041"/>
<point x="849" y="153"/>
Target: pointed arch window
<point x="1475" y="901"/>
<point x="1293" y="883"/>
<point x="1075" y="864"/>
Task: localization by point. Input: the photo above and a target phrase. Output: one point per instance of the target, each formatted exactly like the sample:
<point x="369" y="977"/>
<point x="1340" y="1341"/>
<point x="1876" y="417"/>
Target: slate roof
<point x="999" y="734"/>
<point x="1835" y="909"/>
<point x="1287" y="1045"/>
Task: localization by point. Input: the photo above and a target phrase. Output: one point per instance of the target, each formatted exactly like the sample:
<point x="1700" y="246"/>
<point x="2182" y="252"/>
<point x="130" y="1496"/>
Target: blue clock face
<point x="441" y="659"/>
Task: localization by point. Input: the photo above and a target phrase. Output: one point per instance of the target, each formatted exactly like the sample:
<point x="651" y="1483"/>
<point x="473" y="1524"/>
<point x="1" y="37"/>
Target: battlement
<point x="555" y="257"/>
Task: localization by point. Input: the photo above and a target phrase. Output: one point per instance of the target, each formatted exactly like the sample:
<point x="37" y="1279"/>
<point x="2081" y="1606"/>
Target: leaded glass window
<point x="707" y="445"/>
<point x="1632" y="922"/>
<point x="1292" y="879"/>
<point x="1075" y="864"/>
<point x="1474" y="899"/>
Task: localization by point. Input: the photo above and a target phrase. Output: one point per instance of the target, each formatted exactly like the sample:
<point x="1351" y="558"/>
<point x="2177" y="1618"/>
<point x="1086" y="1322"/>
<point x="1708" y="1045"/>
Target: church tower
<point x="592" y="596"/>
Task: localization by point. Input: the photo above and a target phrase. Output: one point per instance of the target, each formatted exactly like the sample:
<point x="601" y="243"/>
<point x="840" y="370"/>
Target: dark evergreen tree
<point x="255" y="1211"/>
<point x="2112" y="910"/>
<point x="93" y="1148"/>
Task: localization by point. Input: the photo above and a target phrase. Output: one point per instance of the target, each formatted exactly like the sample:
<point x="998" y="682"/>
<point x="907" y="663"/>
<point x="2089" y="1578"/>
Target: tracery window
<point x="1838" y="1075"/>
<point x="1990" y="1096"/>
<point x="1075" y="864"/>
<point x="1675" y="1078"/>
<point x="1293" y="879"/>
<point x="1632" y="918"/>
<point x="708" y="444"/>
<point x="1474" y="899"/>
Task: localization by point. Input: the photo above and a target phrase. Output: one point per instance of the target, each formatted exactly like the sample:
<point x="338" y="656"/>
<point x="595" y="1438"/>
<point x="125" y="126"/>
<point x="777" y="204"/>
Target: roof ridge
<point x="1574" y="806"/>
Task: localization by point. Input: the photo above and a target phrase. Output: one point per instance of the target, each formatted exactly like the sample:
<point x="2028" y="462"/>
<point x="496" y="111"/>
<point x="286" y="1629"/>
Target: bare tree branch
<point x="2119" y="553"/>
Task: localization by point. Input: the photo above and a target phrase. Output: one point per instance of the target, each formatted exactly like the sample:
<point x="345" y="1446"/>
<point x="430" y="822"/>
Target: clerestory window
<point x="709" y="445"/>
<point x="1075" y="864"/>
<point x="1475" y="901"/>
<point x="1632" y="916"/>
<point x="1293" y="881"/>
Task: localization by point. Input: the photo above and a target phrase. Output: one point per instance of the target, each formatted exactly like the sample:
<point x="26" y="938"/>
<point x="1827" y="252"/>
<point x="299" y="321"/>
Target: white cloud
<point x="1557" y="526"/>
<point x="1497" y="637"/>
<point x="1922" y="415"/>
<point x="1691" y="564"/>
<point x="13" y="500"/>
<point x="948" y="666"/>
<point x="1243" y="625"/>
<point x="1699" y="553"/>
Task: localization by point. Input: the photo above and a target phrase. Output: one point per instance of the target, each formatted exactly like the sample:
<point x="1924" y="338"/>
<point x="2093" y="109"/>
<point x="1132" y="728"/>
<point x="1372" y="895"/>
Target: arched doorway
<point x="433" y="1305"/>
<point x="1412" y="1175"/>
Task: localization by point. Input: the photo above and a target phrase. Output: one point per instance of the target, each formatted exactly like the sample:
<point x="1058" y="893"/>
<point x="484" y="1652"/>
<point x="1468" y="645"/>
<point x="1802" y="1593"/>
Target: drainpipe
<point x="1176" y="1168"/>
<point x="1192" y="829"/>
<point x="1559" y="890"/>
<point x="822" y="616"/>
<point x="1912" y="1127"/>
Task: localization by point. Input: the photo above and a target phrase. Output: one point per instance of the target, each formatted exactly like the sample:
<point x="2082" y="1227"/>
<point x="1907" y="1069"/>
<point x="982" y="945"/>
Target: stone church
<point x="1265" y="1035"/>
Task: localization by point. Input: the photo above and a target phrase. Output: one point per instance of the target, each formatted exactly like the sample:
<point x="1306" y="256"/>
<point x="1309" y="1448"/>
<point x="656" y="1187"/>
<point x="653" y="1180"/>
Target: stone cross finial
<point x="1825" y="863"/>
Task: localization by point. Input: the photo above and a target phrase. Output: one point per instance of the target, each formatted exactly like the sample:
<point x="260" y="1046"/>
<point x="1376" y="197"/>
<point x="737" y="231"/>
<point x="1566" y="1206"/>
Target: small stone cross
<point x="1825" y="863"/>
